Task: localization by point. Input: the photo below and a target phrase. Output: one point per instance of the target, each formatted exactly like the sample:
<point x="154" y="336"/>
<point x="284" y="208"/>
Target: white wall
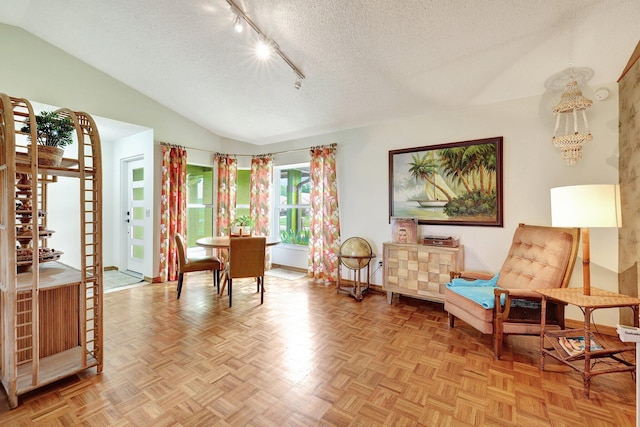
<point x="532" y="166"/>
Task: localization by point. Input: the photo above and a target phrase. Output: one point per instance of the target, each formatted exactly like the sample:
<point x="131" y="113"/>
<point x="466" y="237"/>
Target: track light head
<point x="264" y="48"/>
<point x="237" y="24"/>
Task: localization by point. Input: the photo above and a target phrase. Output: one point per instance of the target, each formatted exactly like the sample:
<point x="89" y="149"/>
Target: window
<point x="291" y="212"/>
<point x="243" y="192"/>
<point x="200" y="208"/>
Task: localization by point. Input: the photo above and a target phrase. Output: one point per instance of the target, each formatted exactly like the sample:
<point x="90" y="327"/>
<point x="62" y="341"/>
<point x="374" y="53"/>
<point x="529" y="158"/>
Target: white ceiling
<point x="364" y="60"/>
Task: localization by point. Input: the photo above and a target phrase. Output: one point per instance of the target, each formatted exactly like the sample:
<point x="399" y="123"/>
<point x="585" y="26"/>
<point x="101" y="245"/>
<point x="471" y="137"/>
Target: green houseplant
<point x="242" y="225"/>
<point x="53" y="133"/>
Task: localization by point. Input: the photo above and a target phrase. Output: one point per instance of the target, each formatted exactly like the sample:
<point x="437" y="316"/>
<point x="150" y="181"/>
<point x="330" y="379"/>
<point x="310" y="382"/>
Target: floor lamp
<point x="586" y="206"/>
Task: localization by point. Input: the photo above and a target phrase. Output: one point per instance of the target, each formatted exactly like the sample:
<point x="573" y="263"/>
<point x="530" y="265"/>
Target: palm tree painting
<point x="454" y="184"/>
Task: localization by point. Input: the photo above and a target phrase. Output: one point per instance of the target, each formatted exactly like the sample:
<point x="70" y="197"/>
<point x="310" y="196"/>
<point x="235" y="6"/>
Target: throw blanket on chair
<point x="479" y="291"/>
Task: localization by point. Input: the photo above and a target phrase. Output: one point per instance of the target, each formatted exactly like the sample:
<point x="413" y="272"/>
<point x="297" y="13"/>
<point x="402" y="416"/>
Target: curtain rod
<point x="277" y="152"/>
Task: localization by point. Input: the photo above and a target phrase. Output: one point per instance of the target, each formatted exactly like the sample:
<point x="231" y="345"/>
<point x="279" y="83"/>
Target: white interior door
<point x="134" y="216"/>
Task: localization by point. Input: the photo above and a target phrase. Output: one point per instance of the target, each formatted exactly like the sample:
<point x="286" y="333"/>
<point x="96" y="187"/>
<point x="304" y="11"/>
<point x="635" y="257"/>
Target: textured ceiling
<point x="364" y="60"/>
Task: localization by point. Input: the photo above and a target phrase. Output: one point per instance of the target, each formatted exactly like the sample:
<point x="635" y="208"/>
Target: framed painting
<point x="459" y="183"/>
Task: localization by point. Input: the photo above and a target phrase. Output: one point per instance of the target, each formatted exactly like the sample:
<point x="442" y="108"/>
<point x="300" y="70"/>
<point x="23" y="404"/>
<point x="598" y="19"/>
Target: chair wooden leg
<point x="261" y="285"/>
<point x="452" y="320"/>
<point x="180" y="278"/>
<point x="497" y="345"/>
<point x="498" y="336"/>
<point x="230" y="294"/>
<point x="222" y="279"/>
<point x="216" y="279"/>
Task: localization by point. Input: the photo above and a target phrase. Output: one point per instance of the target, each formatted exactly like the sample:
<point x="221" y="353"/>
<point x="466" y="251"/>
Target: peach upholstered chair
<point x="540" y="257"/>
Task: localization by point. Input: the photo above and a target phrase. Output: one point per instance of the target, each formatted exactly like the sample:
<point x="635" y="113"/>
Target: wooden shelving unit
<point x="50" y="313"/>
<point x="419" y="271"/>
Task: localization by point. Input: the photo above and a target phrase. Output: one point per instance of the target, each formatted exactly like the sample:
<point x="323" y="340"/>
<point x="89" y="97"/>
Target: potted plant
<point x="53" y="133"/>
<point x="242" y="225"/>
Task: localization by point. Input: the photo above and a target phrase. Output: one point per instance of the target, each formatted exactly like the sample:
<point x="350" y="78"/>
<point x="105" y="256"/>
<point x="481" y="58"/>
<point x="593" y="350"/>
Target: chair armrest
<point x="471" y="275"/>
<point x="523" y="294"/>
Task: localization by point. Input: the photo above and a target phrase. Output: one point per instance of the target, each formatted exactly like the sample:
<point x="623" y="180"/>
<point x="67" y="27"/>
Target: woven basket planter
<point x="49" y="155"/>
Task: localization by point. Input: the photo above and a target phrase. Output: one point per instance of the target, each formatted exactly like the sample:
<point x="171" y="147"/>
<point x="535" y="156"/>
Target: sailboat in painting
<point x="435" y="191"/>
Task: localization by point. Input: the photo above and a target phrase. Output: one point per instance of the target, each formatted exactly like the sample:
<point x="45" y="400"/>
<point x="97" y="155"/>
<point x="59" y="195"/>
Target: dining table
<point x="222" y="242"/>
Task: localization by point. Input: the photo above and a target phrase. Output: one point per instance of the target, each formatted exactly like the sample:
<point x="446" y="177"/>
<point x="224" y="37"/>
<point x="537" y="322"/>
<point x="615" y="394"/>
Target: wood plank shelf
<point x="53" y="368"/>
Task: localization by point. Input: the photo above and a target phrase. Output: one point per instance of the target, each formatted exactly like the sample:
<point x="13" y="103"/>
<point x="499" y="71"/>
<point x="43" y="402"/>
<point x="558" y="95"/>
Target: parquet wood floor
<point x="310" y="357"/>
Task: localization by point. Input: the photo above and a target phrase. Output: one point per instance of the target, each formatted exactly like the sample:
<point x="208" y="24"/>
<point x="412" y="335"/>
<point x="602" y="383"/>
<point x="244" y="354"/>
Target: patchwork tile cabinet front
<point x="419" y="271"/>
<point x="51" y="313"/>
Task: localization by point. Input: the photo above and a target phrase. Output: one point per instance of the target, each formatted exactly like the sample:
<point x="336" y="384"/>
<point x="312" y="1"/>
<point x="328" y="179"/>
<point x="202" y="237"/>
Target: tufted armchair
<point x="539" y="258"/>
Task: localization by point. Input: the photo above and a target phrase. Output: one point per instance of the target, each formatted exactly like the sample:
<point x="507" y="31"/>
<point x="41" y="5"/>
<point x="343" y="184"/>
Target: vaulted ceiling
<point x="364" y="60"/>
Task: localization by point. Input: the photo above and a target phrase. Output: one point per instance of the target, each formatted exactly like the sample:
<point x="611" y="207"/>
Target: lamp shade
<point x="586" y="206"/>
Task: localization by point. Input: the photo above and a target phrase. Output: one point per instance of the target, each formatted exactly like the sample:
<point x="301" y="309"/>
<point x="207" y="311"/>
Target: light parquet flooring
<point x="310" y="357"/>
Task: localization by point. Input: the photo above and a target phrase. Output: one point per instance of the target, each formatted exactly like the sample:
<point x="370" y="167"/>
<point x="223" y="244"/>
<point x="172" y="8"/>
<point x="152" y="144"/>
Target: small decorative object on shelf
<point x="404" y="230"/>
<point x="446" y="241"/>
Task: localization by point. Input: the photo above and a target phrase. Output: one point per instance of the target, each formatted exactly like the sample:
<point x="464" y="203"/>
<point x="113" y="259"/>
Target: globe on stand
<point x="356" y="255"/>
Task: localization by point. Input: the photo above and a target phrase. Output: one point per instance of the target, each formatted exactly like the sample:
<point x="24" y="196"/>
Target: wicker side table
<point x="581" y="360"/>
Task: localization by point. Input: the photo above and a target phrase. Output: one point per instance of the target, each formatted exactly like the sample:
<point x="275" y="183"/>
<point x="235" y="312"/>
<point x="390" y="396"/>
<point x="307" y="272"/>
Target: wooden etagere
<point x="50" y="312"/>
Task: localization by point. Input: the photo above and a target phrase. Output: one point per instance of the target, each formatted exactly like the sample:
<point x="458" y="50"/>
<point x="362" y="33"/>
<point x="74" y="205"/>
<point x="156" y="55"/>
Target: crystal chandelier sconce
<point x="572" y="110"/>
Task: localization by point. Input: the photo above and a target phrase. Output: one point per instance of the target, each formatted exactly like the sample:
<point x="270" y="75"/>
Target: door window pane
<point x="138" y="174"/>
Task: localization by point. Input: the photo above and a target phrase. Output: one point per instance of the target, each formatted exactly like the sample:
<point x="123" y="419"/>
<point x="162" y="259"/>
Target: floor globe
<point x="355" y="254"/>
<point x="352" y="249"/>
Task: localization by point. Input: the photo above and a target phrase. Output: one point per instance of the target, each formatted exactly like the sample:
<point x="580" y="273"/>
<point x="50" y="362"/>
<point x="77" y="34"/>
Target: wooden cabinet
<point x="419" y="271"/>
<point x="50" y="312"/>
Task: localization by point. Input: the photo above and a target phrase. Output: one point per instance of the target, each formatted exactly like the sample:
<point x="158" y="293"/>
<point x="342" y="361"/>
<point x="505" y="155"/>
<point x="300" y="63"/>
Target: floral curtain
<point x="173" y="206"/>
<point x="324" y="239"/>
<point x="260" y="197"/>
<point x="227" y="186"/>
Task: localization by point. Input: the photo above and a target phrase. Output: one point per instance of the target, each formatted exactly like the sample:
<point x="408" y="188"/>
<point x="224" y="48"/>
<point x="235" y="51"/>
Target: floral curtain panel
<point x="260" y="197"/>
<point x="173" y="206"/>
<point x="226" y="196"/>
<point x="324" y="239"/>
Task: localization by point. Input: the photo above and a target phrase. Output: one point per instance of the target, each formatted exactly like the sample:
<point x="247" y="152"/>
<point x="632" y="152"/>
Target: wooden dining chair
<point x="246" y="259"/>
<point x="187" y="265"/>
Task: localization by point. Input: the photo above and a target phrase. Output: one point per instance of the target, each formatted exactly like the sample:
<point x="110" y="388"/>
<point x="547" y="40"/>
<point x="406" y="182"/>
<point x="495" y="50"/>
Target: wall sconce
<point x="575" y="135"/>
